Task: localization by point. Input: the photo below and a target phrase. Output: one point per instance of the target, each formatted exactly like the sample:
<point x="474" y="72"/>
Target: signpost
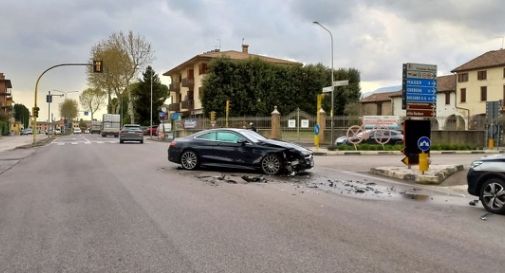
<point x="419" y="89"/>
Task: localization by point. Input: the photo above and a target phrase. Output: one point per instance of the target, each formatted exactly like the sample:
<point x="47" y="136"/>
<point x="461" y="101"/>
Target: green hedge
<point x="4" y="128"/>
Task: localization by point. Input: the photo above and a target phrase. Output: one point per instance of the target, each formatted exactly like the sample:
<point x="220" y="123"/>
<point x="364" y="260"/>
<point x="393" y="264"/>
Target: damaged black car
<point x="239" y="148"/>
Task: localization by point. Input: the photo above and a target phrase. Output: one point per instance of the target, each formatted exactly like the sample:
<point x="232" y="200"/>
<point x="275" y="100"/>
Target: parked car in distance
<point x="57" y="131"/>
<point x="27" y="131"/>
<point x="371" y="137"/>
<point x="151" y="129"/>
<point x="486" y="179"/>
<point x="239" y="148"/>
<point x="87" y="131"/>
<point x="77" y="130"/>
<point x="131" y="132"/>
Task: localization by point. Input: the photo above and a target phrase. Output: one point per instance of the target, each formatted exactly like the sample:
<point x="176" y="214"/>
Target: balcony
<point x="176" y="107"/>
<point x="188" y="82"/>
<point x="174" y="87"/>
<point x="5" y="93"/>
<point x="187" y="104"/>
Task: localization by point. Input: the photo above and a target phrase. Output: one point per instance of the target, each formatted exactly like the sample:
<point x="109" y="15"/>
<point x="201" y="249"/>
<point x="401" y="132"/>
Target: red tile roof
<point x="446" y="83"/>
<point x="487" y="60"/>
<point x="232" y="54"/>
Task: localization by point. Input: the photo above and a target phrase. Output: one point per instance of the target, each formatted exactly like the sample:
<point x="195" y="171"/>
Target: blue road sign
<point x="424" y="143"/>
<point x="316" y="129"/>
<point x="421" y="90"/>
<point x="176" y="116"/>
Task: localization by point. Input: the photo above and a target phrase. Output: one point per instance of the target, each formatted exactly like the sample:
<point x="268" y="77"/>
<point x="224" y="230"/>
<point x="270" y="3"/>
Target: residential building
<point x="5" y="96"/>
<point x="379" y="104"/>
<point x="478" y="81"/>
<point x="449" y="115"/>
<point x="186" y="78"/>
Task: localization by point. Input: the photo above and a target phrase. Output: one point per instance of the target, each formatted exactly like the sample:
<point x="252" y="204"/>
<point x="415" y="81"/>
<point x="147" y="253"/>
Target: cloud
<point x="374" y="36"/>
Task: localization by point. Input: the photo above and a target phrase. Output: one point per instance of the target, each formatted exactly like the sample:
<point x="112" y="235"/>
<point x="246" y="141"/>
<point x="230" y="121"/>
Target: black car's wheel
<point x="189" y="160"/>
<point x="271" y="164"/>
<point x="120" y="141"/>
<point x="492" y="195"/>
<point x="141" y="142"/>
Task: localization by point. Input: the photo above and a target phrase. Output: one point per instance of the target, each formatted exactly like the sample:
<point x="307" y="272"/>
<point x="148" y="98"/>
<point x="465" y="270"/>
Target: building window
<point x="379" y="108"/>
<point x="447" y="98"/>
<point x="483" y="93"/>
<point x="463" y="77"/>
<point x="191" y="74"/>
<point x="202" y="69"/>
<point x="503" y="72"/>
<point x="481" y="75"/>
<point x="463" y="95"/>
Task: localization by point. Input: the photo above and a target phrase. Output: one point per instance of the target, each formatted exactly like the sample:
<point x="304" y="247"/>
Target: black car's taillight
<point x="172" y="144"/>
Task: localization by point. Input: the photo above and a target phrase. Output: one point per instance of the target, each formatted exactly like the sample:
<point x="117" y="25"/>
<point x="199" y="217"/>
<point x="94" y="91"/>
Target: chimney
<point x="245" y="48"/>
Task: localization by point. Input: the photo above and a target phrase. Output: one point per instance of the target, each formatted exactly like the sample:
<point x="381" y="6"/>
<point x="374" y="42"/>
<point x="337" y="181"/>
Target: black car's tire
<point x="189" y="160"/>
<point x="492" y="195"/>
<point x="120" y="141"/>
<point x="271" y="164"/>
<point x="141" y="142"/>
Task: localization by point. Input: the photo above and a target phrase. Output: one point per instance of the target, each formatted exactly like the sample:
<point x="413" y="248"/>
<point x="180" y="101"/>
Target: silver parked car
<point x="131" y="132"/>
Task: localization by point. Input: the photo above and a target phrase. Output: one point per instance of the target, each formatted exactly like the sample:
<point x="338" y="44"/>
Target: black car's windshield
<point x="253" y="136"/>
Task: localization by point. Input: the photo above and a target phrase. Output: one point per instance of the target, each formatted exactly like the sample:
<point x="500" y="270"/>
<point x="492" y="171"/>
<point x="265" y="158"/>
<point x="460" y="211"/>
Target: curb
<point x="325" y="152"/>
<point x="434" y="178"/>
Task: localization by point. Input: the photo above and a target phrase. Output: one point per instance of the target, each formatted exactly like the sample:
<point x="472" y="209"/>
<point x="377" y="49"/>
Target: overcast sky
<point x="373" y="36"/>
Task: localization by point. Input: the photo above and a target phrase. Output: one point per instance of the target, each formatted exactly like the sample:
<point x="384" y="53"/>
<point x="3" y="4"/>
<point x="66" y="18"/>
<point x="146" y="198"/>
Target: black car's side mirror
<point x="243" y="142"/>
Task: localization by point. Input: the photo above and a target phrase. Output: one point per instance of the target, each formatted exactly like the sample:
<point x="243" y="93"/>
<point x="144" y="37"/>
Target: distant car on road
<point x="131" y="132"/>
<point x="486" y="179"/>
<point x="370" y="137"/>
<point x="77" y="130"/>
<point x="239" y="148"/>
<point x="86" y="131"/>
<point x="57" y="131"/>
<point x="27" y="131"/>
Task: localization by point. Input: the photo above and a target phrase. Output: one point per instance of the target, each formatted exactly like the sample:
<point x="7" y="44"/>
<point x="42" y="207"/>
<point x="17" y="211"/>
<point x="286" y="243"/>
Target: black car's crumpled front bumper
<point x="299" y="162"/>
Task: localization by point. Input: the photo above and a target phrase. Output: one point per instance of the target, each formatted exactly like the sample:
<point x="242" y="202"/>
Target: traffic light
<point x="97" y="66"/>
<point x="35" y="111"/>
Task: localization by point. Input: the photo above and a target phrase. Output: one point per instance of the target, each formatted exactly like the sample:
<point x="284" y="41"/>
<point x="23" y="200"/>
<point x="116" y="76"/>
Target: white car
<point x="77" y="130"/>
<point x="57" y="132"/>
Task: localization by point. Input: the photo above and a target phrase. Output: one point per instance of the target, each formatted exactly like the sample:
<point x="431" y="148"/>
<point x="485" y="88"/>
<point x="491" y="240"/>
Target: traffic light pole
<point x="97" y="67"/>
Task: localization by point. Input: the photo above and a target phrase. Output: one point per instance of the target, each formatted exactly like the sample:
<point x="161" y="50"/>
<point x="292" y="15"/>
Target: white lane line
<point x="74" y="143"/>
<point x="60" y="144"/>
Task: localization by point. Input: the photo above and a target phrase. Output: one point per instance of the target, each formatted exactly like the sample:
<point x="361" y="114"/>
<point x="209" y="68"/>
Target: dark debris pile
<point x="214" y="180"/>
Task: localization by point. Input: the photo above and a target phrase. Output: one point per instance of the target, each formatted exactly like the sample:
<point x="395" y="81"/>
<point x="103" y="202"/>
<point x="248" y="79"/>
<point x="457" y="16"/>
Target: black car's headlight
<point x="476" y="163"/>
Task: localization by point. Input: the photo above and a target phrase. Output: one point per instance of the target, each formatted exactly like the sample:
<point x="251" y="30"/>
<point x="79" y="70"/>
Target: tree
<point x="255" y="87"/>
<point x="141" y="94"/>
<point x="123" y="55"/>
<point x="92" y="100"/>
<point x="22" y="114"/>
<point x="69" y="109"/>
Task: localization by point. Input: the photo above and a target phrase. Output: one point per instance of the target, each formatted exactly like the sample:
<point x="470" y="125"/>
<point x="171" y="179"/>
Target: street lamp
<point x="65" y="92"/>
<point x="332" y="80"/>
<point x="151" y="115"/>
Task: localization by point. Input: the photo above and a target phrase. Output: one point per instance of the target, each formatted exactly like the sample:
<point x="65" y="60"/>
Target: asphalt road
<point x="88" y="204"/>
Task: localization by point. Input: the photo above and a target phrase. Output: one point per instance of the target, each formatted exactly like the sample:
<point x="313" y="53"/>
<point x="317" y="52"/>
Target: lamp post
<point x="151" y="113"/>
<point x="332" y="80"/>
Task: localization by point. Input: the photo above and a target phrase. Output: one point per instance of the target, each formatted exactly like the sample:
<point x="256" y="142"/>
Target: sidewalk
<point x="325" y="151"/>
<point x="12" y="142"/>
